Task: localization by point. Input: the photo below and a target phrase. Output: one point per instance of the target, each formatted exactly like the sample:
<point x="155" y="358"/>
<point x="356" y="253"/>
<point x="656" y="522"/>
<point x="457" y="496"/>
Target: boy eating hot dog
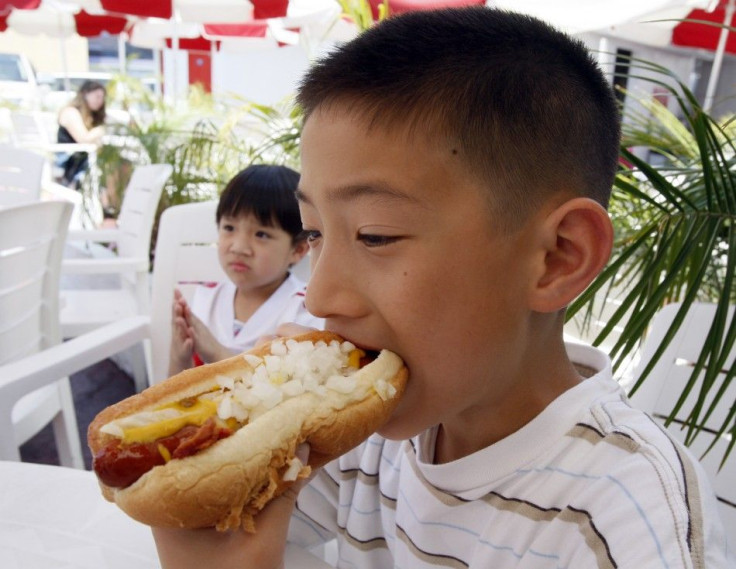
<point x="456" y="167"/>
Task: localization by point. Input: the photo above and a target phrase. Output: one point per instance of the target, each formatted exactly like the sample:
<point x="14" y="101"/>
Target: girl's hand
<point x="205" y="343"/>
<point x="182" y="340"/>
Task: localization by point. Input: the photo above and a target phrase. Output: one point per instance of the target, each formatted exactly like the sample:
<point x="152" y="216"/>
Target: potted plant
<point x="675" y="240"/>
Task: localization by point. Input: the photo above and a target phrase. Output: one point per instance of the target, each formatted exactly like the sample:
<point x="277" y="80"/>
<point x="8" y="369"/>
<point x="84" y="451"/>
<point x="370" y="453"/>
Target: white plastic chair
<point x="31" y="130"/>
<point x="25" y="177"/>
<point x="186" y="255"/>
<point x="31" y="244"/>
<point x="84" y="309"/>
<point x="662" y="388"/>
<point x="21" y="172"/>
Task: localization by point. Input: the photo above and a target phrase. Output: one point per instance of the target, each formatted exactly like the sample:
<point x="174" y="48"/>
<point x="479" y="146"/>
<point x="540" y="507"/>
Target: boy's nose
<point x="332" y="290"/>
<point x="242" y="245"/>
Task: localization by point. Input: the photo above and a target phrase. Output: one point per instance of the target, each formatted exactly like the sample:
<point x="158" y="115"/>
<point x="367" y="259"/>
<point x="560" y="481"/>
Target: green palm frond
<point x="675" y="239"/>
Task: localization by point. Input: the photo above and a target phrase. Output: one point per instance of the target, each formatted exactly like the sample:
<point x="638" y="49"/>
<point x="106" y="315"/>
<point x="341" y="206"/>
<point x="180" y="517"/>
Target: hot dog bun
<point x="226" y="484"/>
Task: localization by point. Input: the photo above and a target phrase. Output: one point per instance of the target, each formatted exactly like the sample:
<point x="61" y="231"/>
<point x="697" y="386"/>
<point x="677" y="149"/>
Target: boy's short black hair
<point x="524" y="105"/>
<point x="267" y="192"/>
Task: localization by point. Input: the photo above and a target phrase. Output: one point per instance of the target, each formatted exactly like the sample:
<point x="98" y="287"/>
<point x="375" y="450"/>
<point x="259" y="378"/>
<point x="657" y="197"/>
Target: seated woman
<point x="81" y="121"/>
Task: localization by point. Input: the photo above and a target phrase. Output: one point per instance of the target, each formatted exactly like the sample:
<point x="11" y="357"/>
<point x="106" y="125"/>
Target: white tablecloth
<point x="56" y="518"/>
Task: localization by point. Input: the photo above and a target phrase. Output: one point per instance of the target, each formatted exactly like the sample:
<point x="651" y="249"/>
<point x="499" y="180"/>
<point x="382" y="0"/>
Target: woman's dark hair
<point x="91" y="118"/>
<point x="267" y="192"/>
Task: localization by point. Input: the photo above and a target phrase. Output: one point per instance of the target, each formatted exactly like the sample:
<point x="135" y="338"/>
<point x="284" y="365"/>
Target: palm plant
<point x="205" y="141"/>
<point x="676" y="239"/>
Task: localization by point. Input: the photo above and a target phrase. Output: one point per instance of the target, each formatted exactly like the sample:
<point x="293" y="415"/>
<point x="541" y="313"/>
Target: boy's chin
<point x="398" y="428"/>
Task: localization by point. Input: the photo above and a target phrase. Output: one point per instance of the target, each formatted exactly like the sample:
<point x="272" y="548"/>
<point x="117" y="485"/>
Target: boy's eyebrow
<point x="348" y="193"/>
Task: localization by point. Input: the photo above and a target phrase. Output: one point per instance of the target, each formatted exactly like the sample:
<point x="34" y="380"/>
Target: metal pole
<point x="121" y="53"/>
<point x="718" y="59"/>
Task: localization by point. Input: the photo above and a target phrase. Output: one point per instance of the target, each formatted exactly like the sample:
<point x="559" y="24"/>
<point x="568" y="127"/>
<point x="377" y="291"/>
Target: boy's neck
<point x="542" y="381"/>
<point x="247" y="301"/>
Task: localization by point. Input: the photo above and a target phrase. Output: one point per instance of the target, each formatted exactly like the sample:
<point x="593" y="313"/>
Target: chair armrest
<point x="70" y="147"/>
<point x="54" y="191"/>
<point x="96" y="235"/>
<point x="43" y="368"/>
<point x="104" y="266"/>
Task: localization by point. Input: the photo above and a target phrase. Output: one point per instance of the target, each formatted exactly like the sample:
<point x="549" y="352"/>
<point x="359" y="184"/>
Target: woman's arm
<point x="71" y="119"/>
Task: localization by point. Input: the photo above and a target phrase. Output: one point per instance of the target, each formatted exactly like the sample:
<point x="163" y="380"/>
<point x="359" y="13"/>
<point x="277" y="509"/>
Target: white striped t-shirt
<point x="590" y="482"/>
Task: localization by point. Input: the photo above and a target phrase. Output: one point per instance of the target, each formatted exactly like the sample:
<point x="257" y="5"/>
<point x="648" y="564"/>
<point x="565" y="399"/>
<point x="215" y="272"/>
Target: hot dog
<point x="211" y="446"/>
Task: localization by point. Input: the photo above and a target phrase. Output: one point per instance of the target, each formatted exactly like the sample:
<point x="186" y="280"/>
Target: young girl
<point x="259" y="239"/>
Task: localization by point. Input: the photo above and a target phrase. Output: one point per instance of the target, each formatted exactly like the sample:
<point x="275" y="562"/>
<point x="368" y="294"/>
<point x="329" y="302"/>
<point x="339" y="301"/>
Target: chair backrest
<point x="29" y="129"/>
<point x="31" y="246"/>
<point x="663" y="387"/>
<point x="138" y="210"/>
<point x="186" y="255"/>
<point x="21" y="173"/>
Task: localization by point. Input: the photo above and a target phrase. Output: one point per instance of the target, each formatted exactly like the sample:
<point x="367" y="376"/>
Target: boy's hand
<point x="182" y="340"/>
<point x="236" y="549"/>
<point x="205" y="343"/>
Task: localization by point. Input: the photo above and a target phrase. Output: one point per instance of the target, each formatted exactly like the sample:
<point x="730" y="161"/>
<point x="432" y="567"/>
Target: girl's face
<point x="95" y="99"/>
<point x="255" y="256"/>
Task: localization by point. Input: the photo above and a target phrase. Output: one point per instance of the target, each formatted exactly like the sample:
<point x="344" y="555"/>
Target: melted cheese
<point x="170" y="422"/>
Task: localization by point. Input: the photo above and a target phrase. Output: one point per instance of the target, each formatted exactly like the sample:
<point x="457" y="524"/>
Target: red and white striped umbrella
<point x="58" y="19"/>
<point x="63" y="18"/>
<point x="267" y="23"/>
<point x="402" y="6"/>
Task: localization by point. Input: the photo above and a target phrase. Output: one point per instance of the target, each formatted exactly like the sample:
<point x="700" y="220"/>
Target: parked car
<point x="18" y="82"/>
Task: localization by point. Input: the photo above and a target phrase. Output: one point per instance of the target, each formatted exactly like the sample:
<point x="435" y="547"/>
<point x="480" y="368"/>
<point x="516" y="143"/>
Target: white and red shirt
<point x="215" y="306"/>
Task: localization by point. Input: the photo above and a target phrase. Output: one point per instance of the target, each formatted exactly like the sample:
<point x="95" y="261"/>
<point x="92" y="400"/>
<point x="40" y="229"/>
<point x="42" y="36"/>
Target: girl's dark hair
<point x="267" y="192"/>
<point x="91" y="118"/>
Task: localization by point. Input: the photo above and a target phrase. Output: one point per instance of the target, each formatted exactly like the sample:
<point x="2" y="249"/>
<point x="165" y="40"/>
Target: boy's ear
<point x="576" y="240"/>
<point x="298" y="251"/>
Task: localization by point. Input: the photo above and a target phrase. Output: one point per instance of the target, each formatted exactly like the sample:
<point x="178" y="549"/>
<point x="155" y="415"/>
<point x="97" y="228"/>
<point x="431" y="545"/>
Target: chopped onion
<point x="225" y="382"/>
<point x="252" y="360"/>
<point x="292" y="473"/>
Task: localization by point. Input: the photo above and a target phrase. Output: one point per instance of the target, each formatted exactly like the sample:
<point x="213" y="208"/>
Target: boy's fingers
<point x="209" y="548"/>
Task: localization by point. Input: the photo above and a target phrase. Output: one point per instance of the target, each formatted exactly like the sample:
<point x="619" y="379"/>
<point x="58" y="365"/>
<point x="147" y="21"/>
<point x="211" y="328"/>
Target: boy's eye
<point x="227" y="227"/>
<point x="370" y="240"/>
<point x="263" y="235"/>
<point x="312" y="235"/>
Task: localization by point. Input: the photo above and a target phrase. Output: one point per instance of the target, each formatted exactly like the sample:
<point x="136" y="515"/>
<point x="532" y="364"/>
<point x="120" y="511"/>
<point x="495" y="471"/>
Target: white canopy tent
<point x="649" y="22"/>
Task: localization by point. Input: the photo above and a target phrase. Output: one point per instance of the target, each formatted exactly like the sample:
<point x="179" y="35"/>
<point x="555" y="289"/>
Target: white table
<point x="52" y="516"/>
<point x="55" y="517"/>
